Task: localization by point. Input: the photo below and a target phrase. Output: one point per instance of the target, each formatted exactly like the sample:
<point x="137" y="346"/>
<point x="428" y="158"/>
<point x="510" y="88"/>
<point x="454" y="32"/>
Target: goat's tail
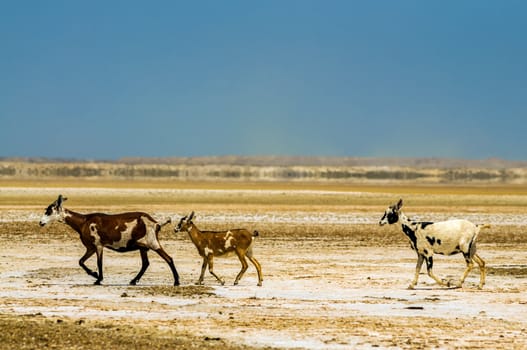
<point x="159" y="226"/>
<point x="169" y="220"/>
<point x="478" y="229"/>
<point x="256" y="233"/>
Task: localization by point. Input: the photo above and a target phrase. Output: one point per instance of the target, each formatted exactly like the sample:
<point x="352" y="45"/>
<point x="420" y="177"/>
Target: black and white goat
<point x="120" y="232"/>
<point x="218" y="243"/>
<point x="444" y="237"/>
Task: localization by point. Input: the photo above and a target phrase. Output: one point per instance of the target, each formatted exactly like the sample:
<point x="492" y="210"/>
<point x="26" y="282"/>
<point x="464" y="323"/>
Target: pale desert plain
<point x="333" y="278"/>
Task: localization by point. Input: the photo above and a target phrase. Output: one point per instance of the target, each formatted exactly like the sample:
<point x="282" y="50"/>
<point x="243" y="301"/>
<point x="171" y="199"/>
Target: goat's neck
<point x="194" y="233"/>
<point x="74" y="220"/>
<point x="404" y="220"/>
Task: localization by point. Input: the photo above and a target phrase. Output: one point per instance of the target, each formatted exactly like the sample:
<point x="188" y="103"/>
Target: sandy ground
<point x="340" y="288"/>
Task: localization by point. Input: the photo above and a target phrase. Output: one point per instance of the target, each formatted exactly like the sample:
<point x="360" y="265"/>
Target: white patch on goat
<point x="228" y="240"/>
<point x="126" y="234"/>
<point x="95" y="234"/>
<point x="207" y="251"/>
<point x="150" y="238"/>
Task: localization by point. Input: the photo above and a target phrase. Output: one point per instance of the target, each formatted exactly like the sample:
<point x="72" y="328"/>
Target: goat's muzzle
<point x="383" y="220"/>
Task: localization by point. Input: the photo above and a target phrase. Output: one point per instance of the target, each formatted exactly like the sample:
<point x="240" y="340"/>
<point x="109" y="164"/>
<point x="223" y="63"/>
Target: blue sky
<point x="111" y="79"/>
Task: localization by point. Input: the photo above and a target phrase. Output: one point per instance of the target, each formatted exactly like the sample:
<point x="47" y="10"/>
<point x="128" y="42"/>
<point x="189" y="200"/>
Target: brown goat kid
<point x="218" y="243"/>
<point x="120" y="232"/>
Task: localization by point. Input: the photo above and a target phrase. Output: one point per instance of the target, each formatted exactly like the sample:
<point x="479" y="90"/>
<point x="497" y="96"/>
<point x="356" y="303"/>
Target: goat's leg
<point x="211" y="267"/>
<point x="470" y="265"/>
<point x="99" y="265"/>
<point x="429" y="265"/>
<point x="241" y="256"/>
<point x="170" y="263"/>
<point x="249" y="255"/>
<point x="203" y="267"/>
<point x="89" y="252"/>
<point x="258" y="269"/>
<point x="482" y="270"/>
<point x="420" y="260"/>
<point x="144" y="265"/>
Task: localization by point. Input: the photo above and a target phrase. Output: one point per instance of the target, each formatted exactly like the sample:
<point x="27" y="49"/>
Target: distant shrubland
<point x="228" y="168"/>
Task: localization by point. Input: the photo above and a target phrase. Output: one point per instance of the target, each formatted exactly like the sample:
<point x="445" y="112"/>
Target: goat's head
<point x="391" y="215"/>
<point x="185" y="223"/>
<point x="54" y="212"/>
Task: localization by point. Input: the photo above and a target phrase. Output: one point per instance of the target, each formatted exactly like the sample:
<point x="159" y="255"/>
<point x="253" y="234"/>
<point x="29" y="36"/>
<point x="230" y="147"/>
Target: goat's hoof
<point x="97" y="283"/>
<point x="411" y="286"/>
<point x="259" y="284"/>
<point x="133" y="282"/>
<point x="452" y="284"/>
<point x="94" y="274"/>
<point x="176" y="283"/>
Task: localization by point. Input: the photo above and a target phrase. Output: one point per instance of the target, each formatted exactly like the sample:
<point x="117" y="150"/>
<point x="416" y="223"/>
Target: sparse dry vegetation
<point x="43" y="283"/>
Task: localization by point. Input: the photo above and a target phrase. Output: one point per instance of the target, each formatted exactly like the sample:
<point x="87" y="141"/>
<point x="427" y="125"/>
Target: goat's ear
<point x="60" y="200"/>
<point x="399" y="204"/>
<point x="191" y="216"/>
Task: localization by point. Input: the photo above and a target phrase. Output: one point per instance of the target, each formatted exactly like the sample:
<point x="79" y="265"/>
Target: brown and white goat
<point x="218" y="243"/>
<point x="443" y="237"/>
<point x="120" y="232"/>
